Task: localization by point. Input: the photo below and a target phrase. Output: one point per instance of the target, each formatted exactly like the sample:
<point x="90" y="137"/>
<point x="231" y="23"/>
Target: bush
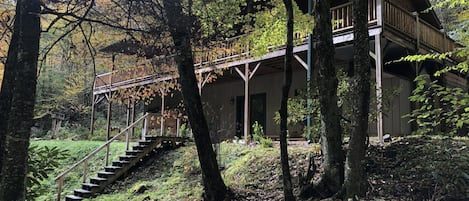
<point x="258" y="135"/>
<point x="41" y="162"/>
<point x="441" y="109"/>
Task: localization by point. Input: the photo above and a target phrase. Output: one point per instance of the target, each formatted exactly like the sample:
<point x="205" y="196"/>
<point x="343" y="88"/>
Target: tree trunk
<point x="18" y="93"/>
<point x="179" y="25"/>
<point x="287" y="185"/>
<point x="331" y="130"/>
<point x="355" y="180"/>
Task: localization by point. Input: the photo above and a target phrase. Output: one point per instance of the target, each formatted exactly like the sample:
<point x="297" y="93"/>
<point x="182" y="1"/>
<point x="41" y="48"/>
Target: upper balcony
<point x="225" y="54"/>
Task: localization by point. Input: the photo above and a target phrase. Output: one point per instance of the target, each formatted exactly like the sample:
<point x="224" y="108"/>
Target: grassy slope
<point x="77" y="151"/>
<point x="411" y="168"/>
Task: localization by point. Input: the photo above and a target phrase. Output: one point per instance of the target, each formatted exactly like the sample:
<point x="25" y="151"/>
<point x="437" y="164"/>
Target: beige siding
<point x="220" y="101"/>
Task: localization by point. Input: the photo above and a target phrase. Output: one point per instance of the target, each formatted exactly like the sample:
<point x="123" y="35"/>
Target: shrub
<point x="41" y="162"/>
<point x="258" y="135"/>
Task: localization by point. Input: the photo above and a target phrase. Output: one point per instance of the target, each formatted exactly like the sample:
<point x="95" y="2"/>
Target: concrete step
<point x="151" y="138"/>
<point x="89" y="186"/>
<point x="139" y="147"/>
<point x="105" y="174"/>
<point x="98" y="180"/>
<point x="133" y="152"/>
<point x="82" y="193"/>
<point x="120" y="163"/>
<point x="145" y="142"/>
<point x="73" y="198"/>
<point x="112" y="168"/>
<point x="126" y="158"/>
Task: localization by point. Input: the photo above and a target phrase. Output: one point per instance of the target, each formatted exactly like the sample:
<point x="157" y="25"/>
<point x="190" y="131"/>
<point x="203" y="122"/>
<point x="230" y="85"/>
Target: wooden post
<point x="132" y="117"/>
<point x="92" y="117"/>
<point x="200" y="83"/>
<point x="379" y="12"/>
<point x="127" y="135"/>
<point x="145" y="126"/>
<point x="85" y="170"/>
<point x="379" y="90"/>
<point x="59" y="189"/>
<point x="108" y="126"/>
<point x="162" y="112"/>
<point x="417" y="31"/>
<point x="246" y="103"/>
<point x="178" y="124"/>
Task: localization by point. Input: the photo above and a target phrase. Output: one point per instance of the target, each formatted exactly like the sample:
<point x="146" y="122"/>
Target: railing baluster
<point x="85" y="170"/>
<point x="59" y="190"/>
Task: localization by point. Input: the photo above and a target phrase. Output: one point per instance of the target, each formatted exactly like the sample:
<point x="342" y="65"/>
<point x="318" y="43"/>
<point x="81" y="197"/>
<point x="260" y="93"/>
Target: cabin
<point x="238" y="89"/>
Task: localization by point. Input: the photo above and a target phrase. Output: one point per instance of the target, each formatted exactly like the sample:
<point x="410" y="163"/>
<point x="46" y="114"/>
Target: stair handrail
<point x="60" y="177"/>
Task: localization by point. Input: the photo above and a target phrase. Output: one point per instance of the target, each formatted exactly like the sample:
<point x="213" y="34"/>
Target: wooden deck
<point x="419" y="32"/>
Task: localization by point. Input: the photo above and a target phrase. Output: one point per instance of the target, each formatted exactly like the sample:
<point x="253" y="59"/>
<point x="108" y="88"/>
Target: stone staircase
<point x="120" y="167"/>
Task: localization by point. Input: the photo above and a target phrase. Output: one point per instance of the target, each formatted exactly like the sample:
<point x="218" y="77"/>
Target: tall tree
<point x="354" y="183"/>
<point x="331" y="130"/>
<point x="17" y="99"/>
<point x="179" y="21"/>
<point x="287" y="185"/>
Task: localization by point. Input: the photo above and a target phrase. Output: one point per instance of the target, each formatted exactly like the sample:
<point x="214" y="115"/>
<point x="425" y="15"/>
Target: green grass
<point x="77" y="150"/>
<point x="175" y="175"/>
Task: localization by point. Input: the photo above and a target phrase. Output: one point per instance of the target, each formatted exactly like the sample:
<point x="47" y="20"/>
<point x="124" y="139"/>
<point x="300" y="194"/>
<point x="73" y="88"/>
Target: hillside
<point x="414" y="168"/>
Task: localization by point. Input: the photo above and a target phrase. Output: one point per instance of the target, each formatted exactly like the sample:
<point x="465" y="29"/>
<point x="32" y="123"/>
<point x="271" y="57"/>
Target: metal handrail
<point x="60" y="177"/>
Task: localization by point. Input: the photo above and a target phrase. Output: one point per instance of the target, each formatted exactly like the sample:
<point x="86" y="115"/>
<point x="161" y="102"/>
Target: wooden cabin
<point x="252" y="85"/>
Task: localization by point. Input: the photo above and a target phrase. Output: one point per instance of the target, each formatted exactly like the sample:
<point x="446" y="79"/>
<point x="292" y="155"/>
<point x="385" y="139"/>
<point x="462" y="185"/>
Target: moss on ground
<point x="412" y="168"/>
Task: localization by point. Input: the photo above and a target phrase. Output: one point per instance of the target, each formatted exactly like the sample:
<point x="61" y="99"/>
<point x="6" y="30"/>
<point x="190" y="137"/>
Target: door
<point x="257" y="112"/>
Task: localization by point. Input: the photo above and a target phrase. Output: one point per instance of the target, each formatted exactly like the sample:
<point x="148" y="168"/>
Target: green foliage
<point x="42" y="161"/>
<point x="76" y="151"/>
<point x="298" y="111"/>
<point x="441" y="109"/>
<point x="269" y="28"/>
<point x="259" y="136"/>
<point x="184" y="131"/>
<point x="218" y="17"/>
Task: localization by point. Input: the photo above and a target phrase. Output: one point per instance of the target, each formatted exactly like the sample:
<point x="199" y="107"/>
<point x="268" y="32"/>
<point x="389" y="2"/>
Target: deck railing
<point x="411" y="25"/>
<point x="232" y="50"/>
<point x="84" y="162"/>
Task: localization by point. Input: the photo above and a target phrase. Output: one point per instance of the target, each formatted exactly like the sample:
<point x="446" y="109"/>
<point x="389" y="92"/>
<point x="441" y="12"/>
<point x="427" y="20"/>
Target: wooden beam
<point x="206" y="79"/>
<point x="372" y="55"/>
<point x="241" y="74"/>
<point x="303" y="63"/>
<point x="254" y="71"/>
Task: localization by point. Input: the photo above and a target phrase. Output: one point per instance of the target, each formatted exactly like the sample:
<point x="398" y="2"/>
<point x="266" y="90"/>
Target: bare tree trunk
<point x="18" y="93"/>
<point x="355" y="180"/>
<point x="287" y="185"/>
<point x="331" y="130"/>
<point x="180" y="25"/>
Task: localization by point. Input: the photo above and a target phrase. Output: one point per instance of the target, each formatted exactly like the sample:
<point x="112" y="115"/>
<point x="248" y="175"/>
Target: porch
<point x="388" y="23"/>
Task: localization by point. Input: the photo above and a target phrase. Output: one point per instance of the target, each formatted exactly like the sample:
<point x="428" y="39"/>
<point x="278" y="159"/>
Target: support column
<point x="379" y="90"/>
<point x="247" y="75"/>
<point x="246" y="103"/>
<point x="202" y="80"/>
